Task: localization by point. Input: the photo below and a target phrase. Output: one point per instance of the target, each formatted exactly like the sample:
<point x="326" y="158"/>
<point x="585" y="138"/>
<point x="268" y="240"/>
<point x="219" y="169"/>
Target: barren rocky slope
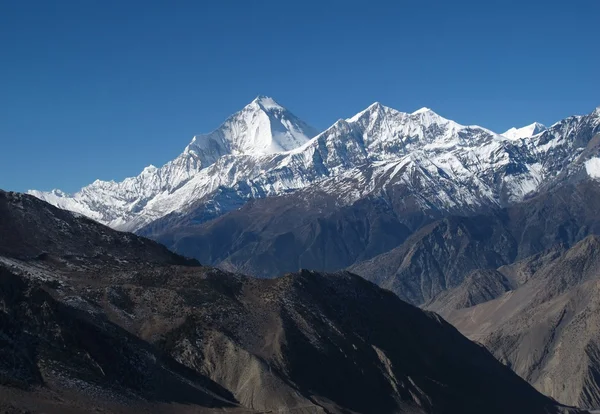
<point x="306" y="342"/>
<point x="546" y="328"/>
<point x="440" y="255"/>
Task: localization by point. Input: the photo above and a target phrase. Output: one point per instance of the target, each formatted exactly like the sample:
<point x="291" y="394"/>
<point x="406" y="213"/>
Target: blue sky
<point x="99" y="89"/>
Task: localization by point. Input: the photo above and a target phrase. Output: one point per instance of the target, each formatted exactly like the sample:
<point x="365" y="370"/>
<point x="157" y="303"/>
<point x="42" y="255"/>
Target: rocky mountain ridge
<point x="544" y="326"/>
<point x="190" y="338"/>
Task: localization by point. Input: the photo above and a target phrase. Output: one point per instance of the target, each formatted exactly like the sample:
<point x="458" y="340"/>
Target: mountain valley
<point x="497" y="233"/>
<point x="92" y="314"/>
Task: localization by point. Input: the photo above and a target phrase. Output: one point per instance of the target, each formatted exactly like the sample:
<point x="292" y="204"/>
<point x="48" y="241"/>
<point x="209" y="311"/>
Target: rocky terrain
<point x="360" y="211"/>
<point x="272" y="236"/>
<point x="95" y="317"/>
<point x="493" y="231"/>
<point x="479" y="286"/>
<point x="542" y="322"/>
<point x="440" y="255"/>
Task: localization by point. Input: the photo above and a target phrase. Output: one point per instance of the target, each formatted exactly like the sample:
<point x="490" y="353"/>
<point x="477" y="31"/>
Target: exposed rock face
<point x="30" y="229"/>
<point x="483" y="285"/>
<point x="478" y="287"/>
<point x="306" y="342"/>
<point x="46" y="342"/>
<point x="271" y="237"/>
<point x="546" y="328"/>
<point x="440" y="255"/>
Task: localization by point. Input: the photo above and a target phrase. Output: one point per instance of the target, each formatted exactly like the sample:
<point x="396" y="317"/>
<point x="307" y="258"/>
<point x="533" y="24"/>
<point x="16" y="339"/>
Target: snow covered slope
<point x="262" y="127"/>
<point x="264" y="150"/>
<point x="525" y="132"/>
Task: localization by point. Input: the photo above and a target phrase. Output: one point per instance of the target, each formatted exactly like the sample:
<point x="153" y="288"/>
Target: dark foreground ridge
<point x="91" y="317"/>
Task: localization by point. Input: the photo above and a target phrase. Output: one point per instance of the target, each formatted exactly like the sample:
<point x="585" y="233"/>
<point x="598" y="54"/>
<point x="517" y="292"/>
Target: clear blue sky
<point x="99" y="89"/>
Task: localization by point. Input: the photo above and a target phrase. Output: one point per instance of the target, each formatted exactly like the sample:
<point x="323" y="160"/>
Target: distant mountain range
<point x="264" y="150"/>
<point x="496" y="232"/>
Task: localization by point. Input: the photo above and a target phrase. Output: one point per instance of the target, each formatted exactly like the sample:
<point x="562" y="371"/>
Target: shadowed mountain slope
<point x="546" y="329"/>
<point x="306" y="342"/>
<point x="440" y="255"/>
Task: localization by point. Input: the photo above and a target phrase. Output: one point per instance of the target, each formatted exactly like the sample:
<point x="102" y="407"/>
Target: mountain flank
<point x="198" y="337"/>
<point x="545" y="327"/>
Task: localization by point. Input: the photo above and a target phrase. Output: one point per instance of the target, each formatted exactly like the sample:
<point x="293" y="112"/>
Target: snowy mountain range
<point x="264" y="150"/>
<point x="525" y="132"/>
<point x="262" y="127"/>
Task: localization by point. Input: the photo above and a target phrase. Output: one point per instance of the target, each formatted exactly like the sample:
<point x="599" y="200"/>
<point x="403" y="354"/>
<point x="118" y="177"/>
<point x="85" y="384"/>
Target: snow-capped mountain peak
<point x="376" y="107"/>
<point x="385" y="129"/>
<point x="525" y="132"/>
<point x="265" y="150"/>
<point x="427" y="117"/>
<point x="423" y="117"/>
<point x="370" y="111"/>
<point x="261" y="127"/>
<point x="422" y="110"/>
<point x="150" y="169"/>
<point x="267" y="103"/>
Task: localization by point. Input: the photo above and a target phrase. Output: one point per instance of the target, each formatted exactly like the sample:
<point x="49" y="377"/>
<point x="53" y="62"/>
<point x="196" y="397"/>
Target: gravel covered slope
<point x="546" y="330"/>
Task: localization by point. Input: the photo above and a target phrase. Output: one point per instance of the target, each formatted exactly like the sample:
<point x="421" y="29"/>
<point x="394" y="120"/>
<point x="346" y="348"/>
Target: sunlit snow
<point x="592" y="167"/>
<point x="264" y="150"/>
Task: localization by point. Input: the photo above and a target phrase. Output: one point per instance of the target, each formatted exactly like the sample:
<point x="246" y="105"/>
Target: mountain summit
<point x="264" y="150"/>
<point x="261" y="127"/>
<point x="525" y="132"/>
